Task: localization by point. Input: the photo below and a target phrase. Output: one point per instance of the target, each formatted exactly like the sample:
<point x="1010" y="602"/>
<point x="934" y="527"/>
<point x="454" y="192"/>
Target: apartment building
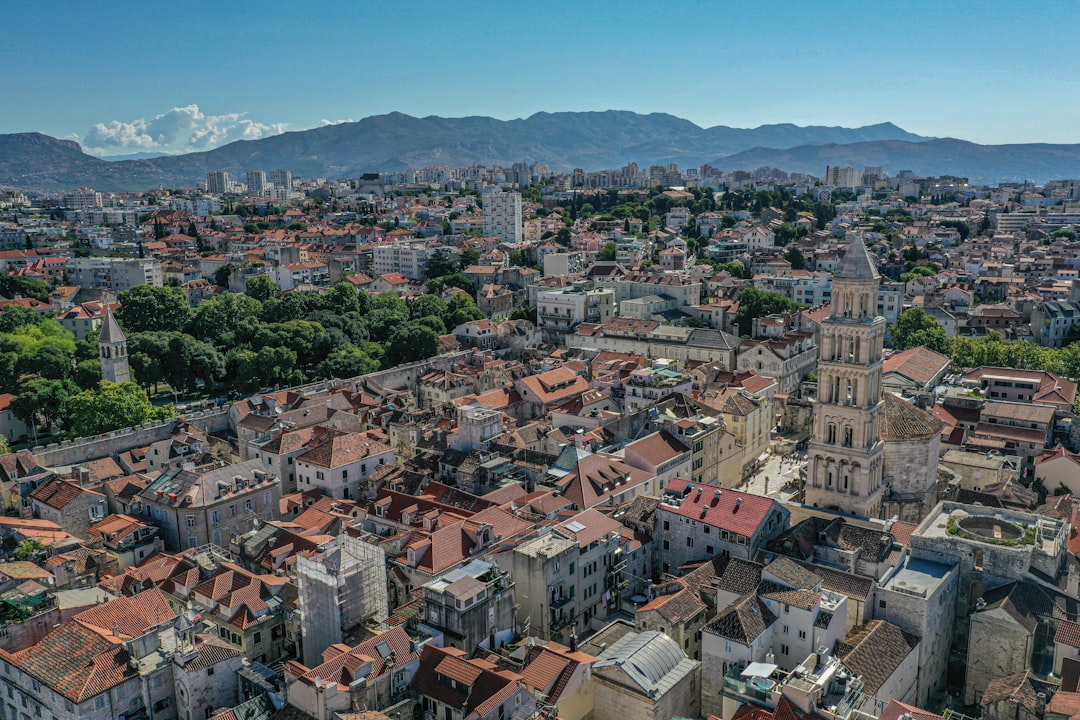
<point x="115" y="274"/>
<point x="697" y="522"/>
<point x="559" y="311"/>
<point x="502" y="215"/>
<point x="212" y="503"/>
<point x="217" y="182"/>
<point x="569" y="578"/>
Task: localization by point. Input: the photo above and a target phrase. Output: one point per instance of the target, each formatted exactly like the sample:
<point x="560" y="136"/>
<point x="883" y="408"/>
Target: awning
<point x="757" y="669"/>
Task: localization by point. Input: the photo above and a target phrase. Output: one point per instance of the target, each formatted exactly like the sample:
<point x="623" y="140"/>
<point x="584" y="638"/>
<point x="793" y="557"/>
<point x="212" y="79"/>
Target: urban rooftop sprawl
<point x="484" y="443"/>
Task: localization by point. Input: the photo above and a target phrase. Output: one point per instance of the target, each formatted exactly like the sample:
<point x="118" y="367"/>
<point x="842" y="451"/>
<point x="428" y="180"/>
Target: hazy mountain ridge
<point x="591" y="140"/>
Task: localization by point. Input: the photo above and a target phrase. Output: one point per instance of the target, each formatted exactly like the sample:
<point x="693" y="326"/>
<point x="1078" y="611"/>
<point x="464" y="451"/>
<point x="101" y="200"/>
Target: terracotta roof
<point x="744" y="620"/>
<point x="735" y="511"/>
<point x="904" y="421"/>
<point x="1068" y="633"/>
<point x="918" y="364"/>
<point x="874" y="651"/>
<point x="75" y="662"/>
<point x="60" y="493"/>
<point x="895" y="709"/>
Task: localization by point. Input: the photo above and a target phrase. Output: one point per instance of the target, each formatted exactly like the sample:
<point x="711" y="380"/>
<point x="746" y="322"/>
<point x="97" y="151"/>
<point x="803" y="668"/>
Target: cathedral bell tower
<point x="845" y="455"/>
<point x="112" y="347"/>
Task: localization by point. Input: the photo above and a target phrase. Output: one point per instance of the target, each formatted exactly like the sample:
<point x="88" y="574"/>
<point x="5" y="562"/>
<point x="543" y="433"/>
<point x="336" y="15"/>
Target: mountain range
<point x="590" y="140"/>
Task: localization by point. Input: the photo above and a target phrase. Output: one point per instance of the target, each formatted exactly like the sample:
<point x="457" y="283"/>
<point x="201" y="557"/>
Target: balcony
<point x="560" y="601"/>
<point x="560" y="622"/>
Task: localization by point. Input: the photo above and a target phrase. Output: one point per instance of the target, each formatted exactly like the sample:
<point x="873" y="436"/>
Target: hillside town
<point x="485" y="443"/>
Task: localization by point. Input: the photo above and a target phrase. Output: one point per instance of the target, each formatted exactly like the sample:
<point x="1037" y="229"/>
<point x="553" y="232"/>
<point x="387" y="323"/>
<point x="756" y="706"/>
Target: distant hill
<point x="591" y="140"/>
<point x="1036" y="162"/>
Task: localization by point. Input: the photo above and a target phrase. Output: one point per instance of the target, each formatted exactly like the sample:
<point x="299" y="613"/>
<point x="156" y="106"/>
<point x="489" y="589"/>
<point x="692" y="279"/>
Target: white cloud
<point x="181" y="129"/>
<point x="324" y="122"/>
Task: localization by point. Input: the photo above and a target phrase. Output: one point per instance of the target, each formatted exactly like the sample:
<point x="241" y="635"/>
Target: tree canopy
<point x="148" y="308"/>
<point x="914" y="327"/>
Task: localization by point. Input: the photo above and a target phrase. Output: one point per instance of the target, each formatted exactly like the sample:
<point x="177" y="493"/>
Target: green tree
<point x="221" y="275"/>
<point x="440" y="263"/>
<point x="218" y="316"/>
<point x="470" y="256"/>
<point x="428" y="305"/>
<point x="271" y="366"/>
<point x="147" y="308"/>
<point x="459" y="280"/>
<point x="43" y="402"/>
<point x="346" y="362"/>
<point x="522" y="258"/>
<point x="111" y="407"/>
<point x="87" y="374"/>
<point x="794" y="256"/>
<point x="608" y="253"/>
<point x="29" y="549"/>
<point x="290" y="306"/>
<point x="410" y="343"/>
<point x="914" y="327"/>
<point x="754" y="303"/>
<point x="14" y="286"/>
<point x="261" y="288"/>
<point x="524" y="313"/>
<point x="461" y="309"/>
<point x="563" y="237"/>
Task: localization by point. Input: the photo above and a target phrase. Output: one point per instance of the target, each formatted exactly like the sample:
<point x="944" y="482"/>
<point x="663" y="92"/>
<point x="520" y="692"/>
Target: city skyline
<point x="193" y="78"/>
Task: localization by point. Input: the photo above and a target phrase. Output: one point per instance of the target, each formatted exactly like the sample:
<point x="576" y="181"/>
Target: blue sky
<point x="126" y="77"/>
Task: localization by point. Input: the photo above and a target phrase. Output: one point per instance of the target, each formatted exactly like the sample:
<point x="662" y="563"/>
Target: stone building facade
<point x="846" y="452"/>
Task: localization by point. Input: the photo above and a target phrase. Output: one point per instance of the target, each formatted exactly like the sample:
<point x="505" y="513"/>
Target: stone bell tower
<point x="846" y="452"/>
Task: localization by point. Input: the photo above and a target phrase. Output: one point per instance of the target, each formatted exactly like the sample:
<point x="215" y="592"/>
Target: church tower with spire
<point x="112" y="346"/>
<point x="846" y="452"/>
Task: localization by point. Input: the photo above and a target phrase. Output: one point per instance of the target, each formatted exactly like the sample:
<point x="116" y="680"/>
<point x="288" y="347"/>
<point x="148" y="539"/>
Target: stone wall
<point x="80" y="450"/>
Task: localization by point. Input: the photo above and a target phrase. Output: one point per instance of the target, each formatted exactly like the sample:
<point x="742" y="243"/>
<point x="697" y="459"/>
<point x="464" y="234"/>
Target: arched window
<point x="832" y="434"/>
<point x="848" y="436"/>
<point x="828" y="479"/>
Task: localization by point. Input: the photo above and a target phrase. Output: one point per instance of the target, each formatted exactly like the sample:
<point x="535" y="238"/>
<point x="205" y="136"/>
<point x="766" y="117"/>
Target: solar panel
<point x="574" y="526"/>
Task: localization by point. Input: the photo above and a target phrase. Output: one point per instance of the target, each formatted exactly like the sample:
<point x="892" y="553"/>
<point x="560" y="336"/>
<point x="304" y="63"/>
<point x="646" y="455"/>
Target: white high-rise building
<point x="217" y="182"/>
<point x="502" y="215"/>
<point x="256" y="181"/>
<point x="282" y="179"/>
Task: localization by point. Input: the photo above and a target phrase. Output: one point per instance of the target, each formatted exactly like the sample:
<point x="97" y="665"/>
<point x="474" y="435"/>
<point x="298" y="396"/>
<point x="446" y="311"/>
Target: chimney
<point x="738" y="504"/>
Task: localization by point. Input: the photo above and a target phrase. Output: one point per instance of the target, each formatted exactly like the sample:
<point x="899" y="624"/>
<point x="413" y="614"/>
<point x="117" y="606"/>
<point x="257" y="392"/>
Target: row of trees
<point x="229" y="343"/>
<point x="914" y="327"/>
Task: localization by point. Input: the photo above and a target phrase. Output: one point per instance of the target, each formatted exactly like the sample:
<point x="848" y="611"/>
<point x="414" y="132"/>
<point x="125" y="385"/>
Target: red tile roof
<point x="734" y="511"/>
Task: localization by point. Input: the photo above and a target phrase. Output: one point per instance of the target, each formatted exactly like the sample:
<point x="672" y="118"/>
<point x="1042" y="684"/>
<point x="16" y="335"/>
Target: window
<point x="192" y="541"/>
<point x="666" y="545"/>
<point x="344" y="474"/>
<point x="784" y="649"/>
<point x="318" y="475"/>
<point x="215" y="517"/>
<point x="257" y="637"/>
<point x="802" y="634"/>
<point x="787" y="608"/>
<point x="667" y="525"/>
<point x="689" y="542"/>
<point x="209" y="671"/>
<point x="190" y="520"/>
<point x="232" y="510"/>
<point x="786" y="629"/>
<point x="267" y="498"/>
<point x="709" y="549"/>
<point x="247" y="505"/>
<point x="881" y="604"/>
<point x="290" y="461"/>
